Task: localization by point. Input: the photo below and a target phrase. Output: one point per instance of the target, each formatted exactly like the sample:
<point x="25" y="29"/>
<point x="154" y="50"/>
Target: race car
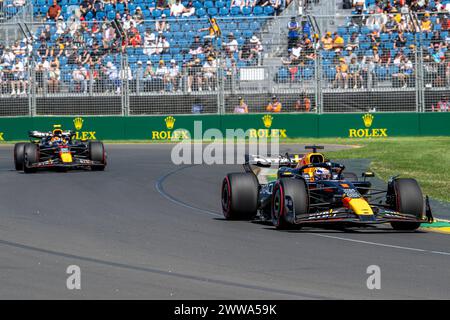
<point x="310" y="190"/>
<point x="58" y="149"/>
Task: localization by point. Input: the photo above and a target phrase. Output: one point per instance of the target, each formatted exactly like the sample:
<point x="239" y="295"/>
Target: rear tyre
<point x="19" y="154"/>
<point x="97" y="153"/>
<point x="408" y="199"/>
<point x="290" y="199"/>
<point x="240" y="196"/>
<point x="31" y="156"/>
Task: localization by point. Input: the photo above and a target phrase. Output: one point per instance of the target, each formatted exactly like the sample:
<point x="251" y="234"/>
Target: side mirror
<point x="368" y="174"/>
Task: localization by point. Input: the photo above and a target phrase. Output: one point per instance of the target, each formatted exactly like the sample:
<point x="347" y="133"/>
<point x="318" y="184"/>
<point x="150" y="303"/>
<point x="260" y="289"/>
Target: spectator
<point x="54" y="76"/>
<point x="161" y="76"/>
<point x="255" y="50"/>
<point x="53" y="11"/>
<point x="341" y="74"/>
<point x="19" y="78"/>
<point x="148" y="77"/>
<point x="353" y="42"/>
<point x="251" y="3"/>
<point x="209" y="73"/>
<point x="196" y="46"/>
<point x="443" y="105"/>
<point x="338" y="41"/>
<point x="60" y="26"/>
<point x="135" y="39"/>
<point x="405" y="71"/>
<point x="232" y="45"/>
<point x="241" y="107"/>
<point x="162" y="25"/>
<point x="113" y="77"/>
<point x="85" y="7"/>
<point x="195" y="75"/>
<point x="177" y="9"/>
<point x="303" y="104"/>
<point x="18" y="3"/>
<point x="275" y="4"/>
<point x="173" y="76"/>
<point x="274" y="105"/>
<point x="162" y="45"/>
<point x="213" y="29"/>
<point x="109" y="35"/>
<point x="293" y="36"/>
<point x="237" y="3"/>
<point x="327" y="41"/>
<point x="190" y="9"/>
<point x="354" y="72"/>
<point x="138" y="16"/>
<point x="80" y="78"/>
<point x="426" y="25"/>
<point x="162" y="4"/>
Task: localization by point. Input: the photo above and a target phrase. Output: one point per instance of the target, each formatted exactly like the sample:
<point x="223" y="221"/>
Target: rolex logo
<point x="78" y="122"/>
<point x="170" y="122"/>
<point x="267" y="120"/>
<point x="368" y="119"/>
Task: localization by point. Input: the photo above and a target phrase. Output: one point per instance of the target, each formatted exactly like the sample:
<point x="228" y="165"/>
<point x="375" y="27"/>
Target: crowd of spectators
<point x="380" y="43"/>
<point x="80" y="53"/>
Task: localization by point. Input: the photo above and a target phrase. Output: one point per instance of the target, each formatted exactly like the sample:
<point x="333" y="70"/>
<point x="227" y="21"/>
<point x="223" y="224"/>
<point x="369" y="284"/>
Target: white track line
<point x="381" y="244"/>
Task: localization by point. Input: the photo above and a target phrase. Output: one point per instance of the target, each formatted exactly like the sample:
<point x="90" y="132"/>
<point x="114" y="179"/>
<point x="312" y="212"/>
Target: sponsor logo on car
<point x="368" y="132"/>
<point x="82" y="135"/>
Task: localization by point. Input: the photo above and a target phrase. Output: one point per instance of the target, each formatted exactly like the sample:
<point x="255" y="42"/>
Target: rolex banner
<point x="261" y="125"/>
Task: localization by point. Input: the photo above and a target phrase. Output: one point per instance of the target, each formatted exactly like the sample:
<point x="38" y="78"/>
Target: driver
<point x="57" y="137"/>
<point x="322" y="174"/>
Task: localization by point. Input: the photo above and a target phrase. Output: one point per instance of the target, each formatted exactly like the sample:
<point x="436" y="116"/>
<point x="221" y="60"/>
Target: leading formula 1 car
<point x="60" y="150"/>
<point x="309" y="190"/>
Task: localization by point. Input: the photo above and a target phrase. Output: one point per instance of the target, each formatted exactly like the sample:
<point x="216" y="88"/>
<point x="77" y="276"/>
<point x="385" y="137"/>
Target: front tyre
<point x="31" y="156"/>
<point x="19" y="154"/>
<point x="290" y="200"/>
<point x="240" y="196"/>
<point x="408" y="199"/>
<point x="97" y="153"/>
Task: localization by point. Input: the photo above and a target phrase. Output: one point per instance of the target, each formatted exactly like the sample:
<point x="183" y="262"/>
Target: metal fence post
<point x="318" y="81"/>
<point x="123" y="74"/>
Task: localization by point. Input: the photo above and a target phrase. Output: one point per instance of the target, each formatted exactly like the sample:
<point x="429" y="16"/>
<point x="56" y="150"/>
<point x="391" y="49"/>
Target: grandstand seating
<point x="182" y="29"/>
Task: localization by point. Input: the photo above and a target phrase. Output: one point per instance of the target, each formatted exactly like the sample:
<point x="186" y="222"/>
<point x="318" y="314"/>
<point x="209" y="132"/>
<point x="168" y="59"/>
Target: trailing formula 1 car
<point x="59" y="150"/>
<point x="309" y="190"/>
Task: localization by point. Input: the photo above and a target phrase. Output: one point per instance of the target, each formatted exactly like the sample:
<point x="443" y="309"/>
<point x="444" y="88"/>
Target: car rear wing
<point x="286" y="160"/>
<point x="40" y="134"/>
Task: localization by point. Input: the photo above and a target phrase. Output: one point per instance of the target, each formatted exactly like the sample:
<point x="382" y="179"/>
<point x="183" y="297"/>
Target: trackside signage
<point x="82" y="135"/>
<point x="368" y="131"/>
<point x="268" y="131"/>
<point x="256" y="125"/>
<point x="168" y="133"/>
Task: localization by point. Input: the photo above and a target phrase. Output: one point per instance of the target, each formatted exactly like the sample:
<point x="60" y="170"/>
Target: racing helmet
<point x="57" y="132"/>
<point x="322" y="174"/>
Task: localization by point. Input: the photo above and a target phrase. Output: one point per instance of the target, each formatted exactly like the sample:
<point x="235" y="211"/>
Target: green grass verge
<point x="426" y="159"/>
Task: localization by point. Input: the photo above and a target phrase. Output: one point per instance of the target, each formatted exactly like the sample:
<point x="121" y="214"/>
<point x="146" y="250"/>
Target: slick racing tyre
<point x="408" y="199"/>
<point x="240" y="196"/>
<point x="31" y="156"/>
<point x="19" y="153"/>
<point x="97" y="153"/>
<point x="290" y="199"/>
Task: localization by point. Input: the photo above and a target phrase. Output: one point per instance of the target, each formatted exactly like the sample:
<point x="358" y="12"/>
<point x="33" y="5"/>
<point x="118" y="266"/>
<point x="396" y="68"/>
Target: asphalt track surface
<point x="147" y="229"/>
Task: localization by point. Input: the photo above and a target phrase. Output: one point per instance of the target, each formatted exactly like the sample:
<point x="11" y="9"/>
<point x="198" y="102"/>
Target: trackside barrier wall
<point x="161" y="128"/>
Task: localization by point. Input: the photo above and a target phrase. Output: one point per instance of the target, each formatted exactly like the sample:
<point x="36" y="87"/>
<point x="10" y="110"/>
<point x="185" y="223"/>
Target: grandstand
<point x="144" y="54"/>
